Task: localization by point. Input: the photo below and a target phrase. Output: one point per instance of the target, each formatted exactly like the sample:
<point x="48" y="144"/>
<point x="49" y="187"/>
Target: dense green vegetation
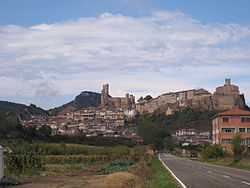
<point x="154" y="128"/>
<point x="151" y="131"/>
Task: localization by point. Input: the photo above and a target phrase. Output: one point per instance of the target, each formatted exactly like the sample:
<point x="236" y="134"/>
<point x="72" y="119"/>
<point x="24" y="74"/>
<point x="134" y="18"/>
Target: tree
<point x="237" y="147"/>
<point x="168" y="143"/>
<point x="140" y="99"/>
<point x="44" y="132"/>
<point x="148" y="97"/>
<point x="151" y="131"/>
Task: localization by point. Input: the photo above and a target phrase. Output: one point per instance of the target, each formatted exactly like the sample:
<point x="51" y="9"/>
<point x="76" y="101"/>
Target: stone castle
<point x="116" y="102"/>
<point x="224" y="98"/>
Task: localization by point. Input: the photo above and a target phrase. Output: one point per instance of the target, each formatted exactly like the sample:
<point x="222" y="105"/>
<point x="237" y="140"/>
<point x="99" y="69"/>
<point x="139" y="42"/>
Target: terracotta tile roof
<point x="235" y="112"/>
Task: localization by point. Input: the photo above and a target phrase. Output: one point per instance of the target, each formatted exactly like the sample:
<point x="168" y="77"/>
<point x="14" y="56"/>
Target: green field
<point x="49" y="164"/>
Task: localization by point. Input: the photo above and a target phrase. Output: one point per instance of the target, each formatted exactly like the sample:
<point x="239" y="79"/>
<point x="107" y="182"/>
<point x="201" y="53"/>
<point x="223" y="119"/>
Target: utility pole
<point x="1" y="163"/>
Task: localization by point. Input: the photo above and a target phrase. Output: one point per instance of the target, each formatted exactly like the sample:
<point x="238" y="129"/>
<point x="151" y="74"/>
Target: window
<point x="248" y="130"/>
<point x="244" y="119"/>
<point x="228" y="130"/>
<point x="243" y="141"/>
<point x="248" y="141"/>
<point x="226" y="141"/>
<point x="242" y="130"/>
<point x="225" y="119"/>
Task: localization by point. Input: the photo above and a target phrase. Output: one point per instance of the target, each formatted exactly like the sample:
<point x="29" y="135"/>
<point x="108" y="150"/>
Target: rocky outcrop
<point x="85" y="99"/>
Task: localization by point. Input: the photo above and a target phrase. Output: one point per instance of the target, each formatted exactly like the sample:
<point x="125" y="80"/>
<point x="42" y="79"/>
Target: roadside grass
<point x="243" y="164"/>
<point x="228" y="161"/>
<point x="161" y="177"/>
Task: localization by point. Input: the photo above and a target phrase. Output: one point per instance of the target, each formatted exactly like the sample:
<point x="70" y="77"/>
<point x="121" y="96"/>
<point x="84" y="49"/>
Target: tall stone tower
<point x="227" y="89"/>
<point x="105" y="95"/>
<point x="228" y="97"/>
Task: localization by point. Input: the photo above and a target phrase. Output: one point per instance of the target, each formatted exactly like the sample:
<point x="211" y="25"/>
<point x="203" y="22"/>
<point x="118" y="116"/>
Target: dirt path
<point x="70" y="180"/>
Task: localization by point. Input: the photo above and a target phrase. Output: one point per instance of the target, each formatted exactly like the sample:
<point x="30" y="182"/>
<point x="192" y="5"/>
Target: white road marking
<point x="226" y="176"/>
<point x="209" y="171"/>
<point x="245" y="182"/>
<point x="182" y="184"/>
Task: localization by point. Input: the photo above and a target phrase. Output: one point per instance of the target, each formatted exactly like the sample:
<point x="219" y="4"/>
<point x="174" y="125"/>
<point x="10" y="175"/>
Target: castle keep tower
<point x="118" y="102"/>
<point x="227" y="89"/>
<point x="228" y="97"/>
<point x="105" y="95"/>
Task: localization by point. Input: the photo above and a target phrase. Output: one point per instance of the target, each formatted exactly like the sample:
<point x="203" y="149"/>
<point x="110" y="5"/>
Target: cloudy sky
<point x="52" y="50"/>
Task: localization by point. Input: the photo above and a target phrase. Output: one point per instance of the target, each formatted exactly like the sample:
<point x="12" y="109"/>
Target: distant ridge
<point x="6" y="106"/>
<point x="85" y="99"/>
<point x="13" y="112"/>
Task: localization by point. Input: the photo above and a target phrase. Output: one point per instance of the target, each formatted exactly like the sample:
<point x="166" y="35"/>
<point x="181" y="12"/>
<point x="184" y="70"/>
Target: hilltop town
<point x="110" y="117"/>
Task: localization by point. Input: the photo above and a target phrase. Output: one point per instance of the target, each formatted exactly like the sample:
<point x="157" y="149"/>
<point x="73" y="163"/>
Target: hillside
<point x="85" y="99"/>
<point x="6" y="106"/>
<point x="13" y="112"/>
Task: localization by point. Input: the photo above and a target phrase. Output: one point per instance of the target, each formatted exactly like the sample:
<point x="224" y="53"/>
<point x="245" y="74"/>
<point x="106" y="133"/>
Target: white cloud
<point x="165" y="51"/>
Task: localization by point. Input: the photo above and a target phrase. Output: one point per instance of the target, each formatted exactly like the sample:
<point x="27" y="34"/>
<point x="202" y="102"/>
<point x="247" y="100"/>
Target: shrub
<point x="238" y="149"/>
<point x="213" y="151"/>
<point x="117" y="166"/>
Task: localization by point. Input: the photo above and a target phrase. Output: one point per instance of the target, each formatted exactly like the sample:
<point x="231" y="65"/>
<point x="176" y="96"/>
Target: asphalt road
<point x="201" y="175"/>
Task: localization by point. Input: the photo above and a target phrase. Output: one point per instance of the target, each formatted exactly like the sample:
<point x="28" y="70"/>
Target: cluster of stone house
<point x="187" y="137"/>
<point x="92" y="121"/>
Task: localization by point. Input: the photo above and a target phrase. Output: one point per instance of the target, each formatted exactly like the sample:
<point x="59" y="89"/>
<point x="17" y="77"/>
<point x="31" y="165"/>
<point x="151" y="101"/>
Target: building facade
<point x="227" y="124"/>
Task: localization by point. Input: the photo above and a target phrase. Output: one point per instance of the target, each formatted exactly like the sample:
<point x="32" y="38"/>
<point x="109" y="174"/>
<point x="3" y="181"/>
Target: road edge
<point x="180" y="182"/>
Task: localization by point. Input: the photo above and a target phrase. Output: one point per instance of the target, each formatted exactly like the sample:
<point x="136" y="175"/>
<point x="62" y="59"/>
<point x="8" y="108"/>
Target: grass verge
<point x="161" y="177"/>
<point x="243" y="164"/>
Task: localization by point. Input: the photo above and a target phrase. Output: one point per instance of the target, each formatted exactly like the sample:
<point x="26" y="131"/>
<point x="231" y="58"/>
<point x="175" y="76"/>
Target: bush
<point x="117" y="166"/>
<point x="213" y="151"/>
